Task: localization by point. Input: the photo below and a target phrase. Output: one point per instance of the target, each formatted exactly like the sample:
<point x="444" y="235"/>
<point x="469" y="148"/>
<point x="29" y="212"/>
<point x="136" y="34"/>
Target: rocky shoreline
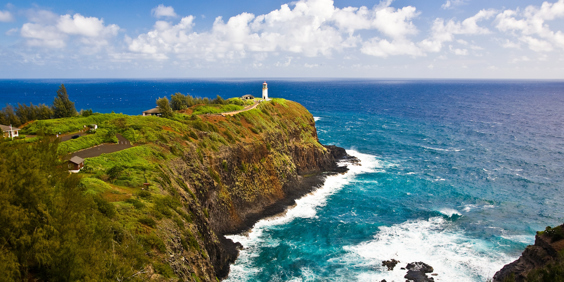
<point x="294" y="190"/>
<point x="544" y="253"/>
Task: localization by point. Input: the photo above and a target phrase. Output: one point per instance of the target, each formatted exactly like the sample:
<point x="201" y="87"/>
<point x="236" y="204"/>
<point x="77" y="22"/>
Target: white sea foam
<point x="527" y="239"/>
<point x="316" y="118"/>
<point x="454" y="256"/>
<point x="305" y="207"/>
<point x="444" y="150"/>
<point x="449" y="212"/>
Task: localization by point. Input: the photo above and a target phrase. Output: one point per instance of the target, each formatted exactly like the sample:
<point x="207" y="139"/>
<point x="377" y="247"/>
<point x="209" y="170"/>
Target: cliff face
<point x="227" y="189"/>
<point x="537" y="260"/>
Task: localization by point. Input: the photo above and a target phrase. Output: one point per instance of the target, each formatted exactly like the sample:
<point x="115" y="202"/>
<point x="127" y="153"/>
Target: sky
<point x="469" y="39"/>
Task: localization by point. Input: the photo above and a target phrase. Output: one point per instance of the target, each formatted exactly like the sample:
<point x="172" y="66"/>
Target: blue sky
<point x="305" y="38"/>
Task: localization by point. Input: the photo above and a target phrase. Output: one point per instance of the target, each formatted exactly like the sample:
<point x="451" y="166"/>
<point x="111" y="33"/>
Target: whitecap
<point x="526" y="239"/>
<point x="454" y="256"/>
<point x="316" y="118"/>
<point x="449" y="212"/>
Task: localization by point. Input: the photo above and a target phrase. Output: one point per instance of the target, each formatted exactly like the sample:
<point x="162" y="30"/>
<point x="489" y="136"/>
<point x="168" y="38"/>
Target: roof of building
<point x="153" y="111"/>
<point x="248" y="95"/>
<point x="76" y="160"/>
<point x="7" y="127"/>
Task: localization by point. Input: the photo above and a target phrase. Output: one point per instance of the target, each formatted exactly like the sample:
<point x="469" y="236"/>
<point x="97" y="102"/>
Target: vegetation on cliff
<point x="157" y="210"/>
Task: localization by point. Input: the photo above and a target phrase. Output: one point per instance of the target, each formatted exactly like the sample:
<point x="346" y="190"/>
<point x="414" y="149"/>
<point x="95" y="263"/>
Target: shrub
<point x="148" y="221"/>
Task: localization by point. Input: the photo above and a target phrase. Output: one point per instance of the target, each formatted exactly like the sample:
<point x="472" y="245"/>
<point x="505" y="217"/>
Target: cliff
<point x="539" y="262"/>
<point x="187" y="181"/>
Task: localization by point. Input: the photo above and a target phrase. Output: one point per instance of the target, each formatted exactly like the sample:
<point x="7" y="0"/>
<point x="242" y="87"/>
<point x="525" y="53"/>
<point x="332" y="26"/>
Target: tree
<point x="164" y="107"/>
<point x="178" y="102"/>
<point x="62" y="106"/>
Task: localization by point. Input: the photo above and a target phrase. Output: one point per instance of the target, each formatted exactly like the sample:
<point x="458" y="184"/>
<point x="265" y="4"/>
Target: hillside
<point x="206" y="175"/>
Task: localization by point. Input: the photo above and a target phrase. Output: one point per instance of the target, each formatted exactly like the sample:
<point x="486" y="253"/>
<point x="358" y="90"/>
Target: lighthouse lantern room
<point x="265" y="92"/>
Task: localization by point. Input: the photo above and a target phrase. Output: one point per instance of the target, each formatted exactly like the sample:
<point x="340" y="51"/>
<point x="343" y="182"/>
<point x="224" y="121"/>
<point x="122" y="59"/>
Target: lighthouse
<point x="265" y="92"/>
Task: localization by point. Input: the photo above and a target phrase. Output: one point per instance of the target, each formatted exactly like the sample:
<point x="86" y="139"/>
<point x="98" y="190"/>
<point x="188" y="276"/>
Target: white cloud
<point x="6" y="16"/>
<point x="510" y="44"/>
<point x="310" y="27"/>
<point x="383" y="48"/>
<point x="12" y="31"/>
<point x="530" y="26"/>
<point x="445" y="32"/>
<point x="40" y="35"/>
<point x="449" y="4"/>
<point x="163" y="11"/>
<point x="85" y="26"/>
<point x="49" y="31"/>
<point x="520" y="59"/>
<point x="457" y="51"/>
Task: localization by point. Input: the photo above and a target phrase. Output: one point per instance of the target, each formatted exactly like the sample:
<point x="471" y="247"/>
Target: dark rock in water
<point x="390" y="264"/>
<point x="383" y="280"/>
<point x="419" y="266"/>
<point x="416" y="272"/>
<point x="417" y="276"/>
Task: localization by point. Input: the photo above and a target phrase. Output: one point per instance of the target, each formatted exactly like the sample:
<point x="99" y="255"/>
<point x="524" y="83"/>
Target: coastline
<point x="307" y="185"/>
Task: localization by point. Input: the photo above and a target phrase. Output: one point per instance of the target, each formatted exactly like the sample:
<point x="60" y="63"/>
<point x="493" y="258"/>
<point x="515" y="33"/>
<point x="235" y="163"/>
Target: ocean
<point x="458" y="174"/>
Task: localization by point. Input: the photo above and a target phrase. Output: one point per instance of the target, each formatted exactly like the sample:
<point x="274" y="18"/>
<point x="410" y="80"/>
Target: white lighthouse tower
<point x="265" y="92"/>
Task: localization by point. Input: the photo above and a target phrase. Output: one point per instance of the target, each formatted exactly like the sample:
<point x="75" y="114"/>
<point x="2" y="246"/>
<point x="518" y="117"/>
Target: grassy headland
<point x="157" y="210"/>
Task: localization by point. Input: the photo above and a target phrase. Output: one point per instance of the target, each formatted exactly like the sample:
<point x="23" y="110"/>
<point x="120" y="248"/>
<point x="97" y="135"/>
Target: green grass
<point x="216" y="109"/>
<point x="135" y="164"/>
<point x="94" y="186"/>
<point x="66" y="125"/>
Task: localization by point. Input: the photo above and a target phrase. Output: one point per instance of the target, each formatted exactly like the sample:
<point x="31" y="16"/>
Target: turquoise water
<point x="457" y="174"/>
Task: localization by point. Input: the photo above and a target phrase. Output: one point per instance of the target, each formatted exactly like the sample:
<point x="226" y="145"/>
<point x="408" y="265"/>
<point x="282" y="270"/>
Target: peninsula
<point x="158" y="207"/>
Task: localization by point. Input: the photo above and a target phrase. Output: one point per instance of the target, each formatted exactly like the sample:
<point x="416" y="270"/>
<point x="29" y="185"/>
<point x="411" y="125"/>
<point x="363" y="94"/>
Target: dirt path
<point x="104" y="148"/>
<point x="243" y="110"/>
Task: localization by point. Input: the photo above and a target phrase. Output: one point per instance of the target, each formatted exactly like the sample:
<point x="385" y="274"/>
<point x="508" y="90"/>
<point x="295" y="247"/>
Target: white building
<point x="265" y="92"/>
<point x="9" y="131"/>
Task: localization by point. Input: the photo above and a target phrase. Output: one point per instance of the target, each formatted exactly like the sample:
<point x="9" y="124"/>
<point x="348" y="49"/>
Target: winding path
<point x="104" y="148"/>
<point x="243" y="110"/>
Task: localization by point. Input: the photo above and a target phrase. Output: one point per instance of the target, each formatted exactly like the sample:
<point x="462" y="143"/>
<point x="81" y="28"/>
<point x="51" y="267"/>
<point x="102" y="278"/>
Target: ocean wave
<point x="316" y="118"/>
<point x="305" y="207"/>
<point x="449" y="212"/>
<point x="526" y="239"/>
<point x="443" y="150"/>
<point x="454" y="256"/>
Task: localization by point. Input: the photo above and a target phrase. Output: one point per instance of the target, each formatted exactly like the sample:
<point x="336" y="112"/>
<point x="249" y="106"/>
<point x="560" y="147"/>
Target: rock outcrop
<point x="543" y="253"/>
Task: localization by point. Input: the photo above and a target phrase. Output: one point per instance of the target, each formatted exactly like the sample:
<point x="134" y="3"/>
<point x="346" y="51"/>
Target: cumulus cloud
<point x="530" y="25"/>
<point x="445" y="31"/>
<point x="307" y="27"/>
<point x="49" y="30"/>
<point x="6" y="16"/>
<point x="85" y="26"/>
<point x="163" y="11"/>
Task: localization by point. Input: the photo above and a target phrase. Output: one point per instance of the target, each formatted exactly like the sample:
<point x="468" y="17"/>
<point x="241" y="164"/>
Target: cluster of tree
<point x="179" y="101"/>
<point x="62" y="107"/>
<point x="51" y="229"/>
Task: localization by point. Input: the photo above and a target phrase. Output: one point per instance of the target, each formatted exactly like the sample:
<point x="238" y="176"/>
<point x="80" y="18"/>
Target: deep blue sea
<point x="457" y="174"/>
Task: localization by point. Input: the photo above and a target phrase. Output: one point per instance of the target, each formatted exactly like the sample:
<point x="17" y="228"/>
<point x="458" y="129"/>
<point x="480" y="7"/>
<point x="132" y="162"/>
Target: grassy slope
<point x="118" y="177"/>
